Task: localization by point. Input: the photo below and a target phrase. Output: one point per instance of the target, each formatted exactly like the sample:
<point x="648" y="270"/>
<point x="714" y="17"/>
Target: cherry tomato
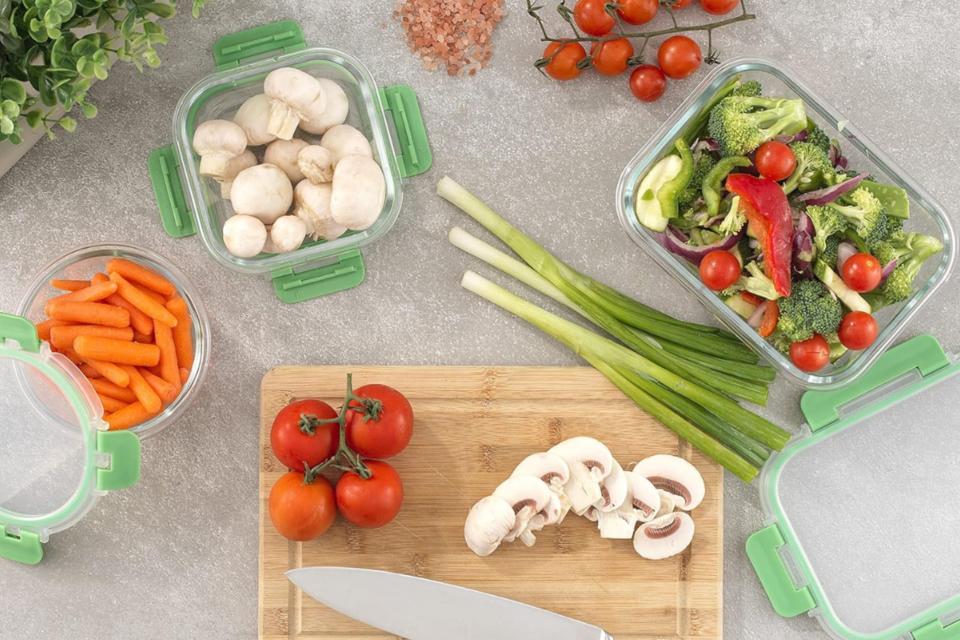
<point x="637" y="11"/>
<point x="381" y="425"/>
<point x="563" y="59"/>
<point x="862" y="272"/>
<point x="592" y="17"/>
<point x="719" y="269"/>
<point x="610" y="57"/>
<point x="810" y="355"/>
<point x="858" y="330"/>
<point x="679" y="56"/>
<point x="771" y="314"/>
<point x="775" y="160"/>
<point x="302" y="511"/>
<point x="372" y="502"/>
<point x="647" y="82"/>
<point x="297" y="438"/>
<point x="719" y="7"/>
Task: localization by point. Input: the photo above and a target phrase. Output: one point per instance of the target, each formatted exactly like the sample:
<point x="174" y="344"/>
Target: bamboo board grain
<point x="472" y="426"/>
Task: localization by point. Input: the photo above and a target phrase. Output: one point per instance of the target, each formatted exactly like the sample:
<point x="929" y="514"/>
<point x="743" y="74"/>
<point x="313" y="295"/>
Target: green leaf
<point x="34" y="118"/>
<point x="151" y="58"/>
<point x="6" y="125"/>
<point x="89" y="110"/>
<point x="160" y="10"/>
<point x="9" y="109"/>
<point x="68" y="124"/>
<point x="11" y="89"/>
<point x="100" y="71"/>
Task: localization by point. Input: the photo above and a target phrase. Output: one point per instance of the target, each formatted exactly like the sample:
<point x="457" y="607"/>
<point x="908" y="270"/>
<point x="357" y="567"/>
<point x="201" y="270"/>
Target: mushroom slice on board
<point x="674" y="475"/>
<point x="589" y="462"/>
<point x="528" y="497"/>
<point x="613" y="490"/>
<point x="490" y="520"/>
<point x="640" y="505"/>
<point x="553" y="471"/>
<point x="668" y="503"/>
<point x="664" y="537"/>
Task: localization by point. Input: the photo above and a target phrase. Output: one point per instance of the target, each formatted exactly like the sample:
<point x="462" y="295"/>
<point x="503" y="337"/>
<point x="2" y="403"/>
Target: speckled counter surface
<point x="176" y="557"/>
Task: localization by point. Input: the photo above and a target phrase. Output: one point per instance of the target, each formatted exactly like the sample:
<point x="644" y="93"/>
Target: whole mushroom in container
<point x="218" y="142"/>
<point x="292" y="93"/>
<point x="263" y="191"/>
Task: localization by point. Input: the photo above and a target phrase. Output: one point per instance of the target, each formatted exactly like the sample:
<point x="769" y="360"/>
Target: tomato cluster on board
<point x="312" y="439"/>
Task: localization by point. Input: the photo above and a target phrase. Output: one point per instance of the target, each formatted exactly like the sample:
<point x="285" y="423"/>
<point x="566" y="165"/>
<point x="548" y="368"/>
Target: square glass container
<point x="926" y="216"/>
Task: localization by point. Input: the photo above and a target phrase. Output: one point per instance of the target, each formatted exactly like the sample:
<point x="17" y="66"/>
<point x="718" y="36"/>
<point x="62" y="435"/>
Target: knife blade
<point x="420" y="609"/>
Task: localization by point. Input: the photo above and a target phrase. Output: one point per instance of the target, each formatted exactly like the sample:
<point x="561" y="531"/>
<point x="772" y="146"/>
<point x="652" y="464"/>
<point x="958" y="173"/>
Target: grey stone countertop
<point x="176" y="556"/>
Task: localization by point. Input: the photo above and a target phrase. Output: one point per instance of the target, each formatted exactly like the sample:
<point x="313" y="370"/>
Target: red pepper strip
<point x="770" y="221"/>
<point x="755" y="300"/>
<point x="771" y="315"/>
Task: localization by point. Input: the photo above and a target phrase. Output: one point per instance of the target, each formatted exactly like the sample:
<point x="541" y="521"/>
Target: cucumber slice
<point x="648" y="210"/>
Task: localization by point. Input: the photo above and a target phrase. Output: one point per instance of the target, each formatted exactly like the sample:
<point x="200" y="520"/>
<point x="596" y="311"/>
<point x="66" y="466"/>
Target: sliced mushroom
<point x="217" y="142"/>
<point x="344" y="140"/>
<point x="333" y="112"/>
<point x="664" y="537"/>
<point x="552" y="470"/>
<point x="674" y="475"/>
<point x="528" y="497"/>
<point x="589" y="462"/>
<point x="311" y="203"/>
<point x="640" y="505"/>
<point x="234" y="166"/>
<point x="253" y="116"/>
<point x="668" y="503"/>
<point x="316" y="163"/>
<point x="284" y="154"/>
<point x="490" y="520"/>
<point x="291" y="92"/>
<point x="613" y="490"/>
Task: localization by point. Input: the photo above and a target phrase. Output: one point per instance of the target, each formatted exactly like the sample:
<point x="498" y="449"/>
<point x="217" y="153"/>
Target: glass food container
<point x="389" y="118"/>
<point x="927" y="216"/>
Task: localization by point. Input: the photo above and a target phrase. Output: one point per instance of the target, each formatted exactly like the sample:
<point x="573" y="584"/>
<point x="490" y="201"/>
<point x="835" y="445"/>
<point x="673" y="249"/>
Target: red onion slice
<point x="845" y="251"/>
<point x="756" y="318"/>
<point x="887" y="270"/>
<point x="829" y="194"/>
<point x="674" y="241"/>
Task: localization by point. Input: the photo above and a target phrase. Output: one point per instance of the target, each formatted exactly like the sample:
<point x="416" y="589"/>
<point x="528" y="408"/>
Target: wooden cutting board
<point x="472" y="426"/>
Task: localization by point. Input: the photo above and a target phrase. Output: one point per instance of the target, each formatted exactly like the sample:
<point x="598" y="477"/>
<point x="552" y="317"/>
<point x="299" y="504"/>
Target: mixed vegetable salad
<point x="801" y="246"/>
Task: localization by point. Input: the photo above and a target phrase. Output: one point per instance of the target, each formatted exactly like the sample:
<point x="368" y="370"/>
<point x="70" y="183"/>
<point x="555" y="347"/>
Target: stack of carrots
<point x="129" y="332"/>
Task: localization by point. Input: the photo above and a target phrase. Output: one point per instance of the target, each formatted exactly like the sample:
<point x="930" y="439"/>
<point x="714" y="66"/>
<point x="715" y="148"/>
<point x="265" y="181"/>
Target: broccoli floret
<point x="810" y="309"/>
<point x="691" y="192"/>
<point x="742" y="123"/>
<point x="813" y="166"/>
<point x="862" y="210"/>
<point x="910" y="250"/>
<point x="830" y="250"/>
<point x="780" y="342"/>
<point x="734" y="220"/>
<point x="758" y="283"/>
<point x="817" y="137"/>
<point x="827" y="222"/>
<point x="750" y="88"/>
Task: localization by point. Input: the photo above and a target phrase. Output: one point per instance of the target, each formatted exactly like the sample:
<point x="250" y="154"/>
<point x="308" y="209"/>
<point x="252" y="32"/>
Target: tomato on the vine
<point x="637" y="11"/>
<point x="299" y="510"/>
<point x="299" y="434"/>
<point x="775" y="160"/>
<point x="611" y="57"/>
<point x="719" y="7"/>
<point x="858" y="330"/>
<point x="593" y="18"/>
<point x="370" y="502"/>
<point x="862" y="272"/>
<point x="647" y="82"/>
<point x="380" y="425"/>
<point x="563" y="60"/>
<point x="811" y="354"/>
<point x="679" y="56"/>
<point x="719" y="269"/>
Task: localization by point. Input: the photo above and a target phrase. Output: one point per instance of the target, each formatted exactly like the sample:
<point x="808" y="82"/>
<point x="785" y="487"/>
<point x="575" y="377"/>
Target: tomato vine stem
<point x="344" y="453"/>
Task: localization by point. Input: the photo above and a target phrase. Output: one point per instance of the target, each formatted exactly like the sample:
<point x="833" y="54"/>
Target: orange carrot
<point x="167" y="392"/>
<point x="107" y="388"/>
<point x="140" y="321"/>
<point x="73" y="356"/>
<point x="111" y="404"/>
<point x="43" y="328"/>
<point x="69" y="285"/>
<point x="94" y="293"/>
<point x="141" y="275"/>
<point x="130" y="416"/>
<point x="89" y="371"/>
<point x="88" y="313"/>
<point x="117" y="351"/>
<point x="182" y="333"/>
<point x="63" y="337"/>
<point x="144" y="392"/>
<point x="110" y="371"/>
<point x="184" y="375"/>
<point x="169" y="369"/>
<point x="142" y="301"/>
<point x="154" y="370"/>
<point x="143" y="337"/>
<point x="159" y="299"/>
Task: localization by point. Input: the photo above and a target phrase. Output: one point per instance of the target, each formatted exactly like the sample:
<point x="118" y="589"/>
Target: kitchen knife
<point x="421" y="609"/>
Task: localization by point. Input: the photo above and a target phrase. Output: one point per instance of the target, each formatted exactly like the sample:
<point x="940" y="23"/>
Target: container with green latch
<point x="57" y="458"/>
<point x="862" y="508"/>
<point x="389" y="117"/>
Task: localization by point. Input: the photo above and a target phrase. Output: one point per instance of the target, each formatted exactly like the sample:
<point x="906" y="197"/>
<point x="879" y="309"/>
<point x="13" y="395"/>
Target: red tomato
<point x="610" y="57"/>
<point x="775" y="160"/>
<point x="592" y="17"/>
<point x="372" y="502"/>
<point x="862" y="272"/>
<point x="719" y="269"/>
<point x="301" y="511"/>
<point x="296" y="438"/>
<point x="382" y="424"/>
<point x="647" y="82"/>
<point x="858" y="330"/>
<point x="719" y="7"/>
<point x="771" y="315"/>
<point x="679" y="56"/>
<point x="810" y="355"/>
<point x="637" y="11"/>
<point x="563" y="59"/>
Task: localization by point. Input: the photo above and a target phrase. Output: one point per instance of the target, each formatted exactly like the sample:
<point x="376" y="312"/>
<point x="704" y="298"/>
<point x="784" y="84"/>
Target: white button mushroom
<point x="344" y="140"/>
<point x="552" y="470"/>
<point x="263" y="191"/>
<point x="284" y="154"/>
<point x="243" y="161"/>
<point x="528" y="497"/>
<point x="589" y="462"/>
<point x="311" y="203"/>
<point x="291" y="93"/>
<point x="217" y="142"/>
<point x="674" y="475"/>
<point x="316" y="163"/>
<point x="641" y="505"/>
<point x="253" y="117"/>
<point x="287" y="234"/>
<point x="244" y="236"/>
<point x="490" y="520"/>
<point x="664" y="537"/>
<point x="359" y="190"/>
<point x="332" y="113"/>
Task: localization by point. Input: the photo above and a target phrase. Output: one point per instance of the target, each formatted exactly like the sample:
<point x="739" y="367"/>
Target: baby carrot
<point x="184" y="375"/>
<point x="73" y="356"/>
<point x="94" y="293"/>
<point x="169" y="369"/>
<point x="142" y="301"/>
<point x="88" y="313"/>
<point x="167" y="392"/>
<point x="111" y="404"/>
<point x="110" y="371"/>
<point x="63" y="337"/>
<point x="159" y="299"/>
<point x="140" y="321"/>
<point x="143" y="337"/>
<point x="89" y="371"/>
<point x="144" y="392"/>
<point x="43" y="328"/>
<point x="69" y="285"/>
<point x="182" y="334"/>
<point x="107" y="388"/>
<point x="117" y="351"/>
<point x="141" y="275"/>
<point x="130" y="416"/>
